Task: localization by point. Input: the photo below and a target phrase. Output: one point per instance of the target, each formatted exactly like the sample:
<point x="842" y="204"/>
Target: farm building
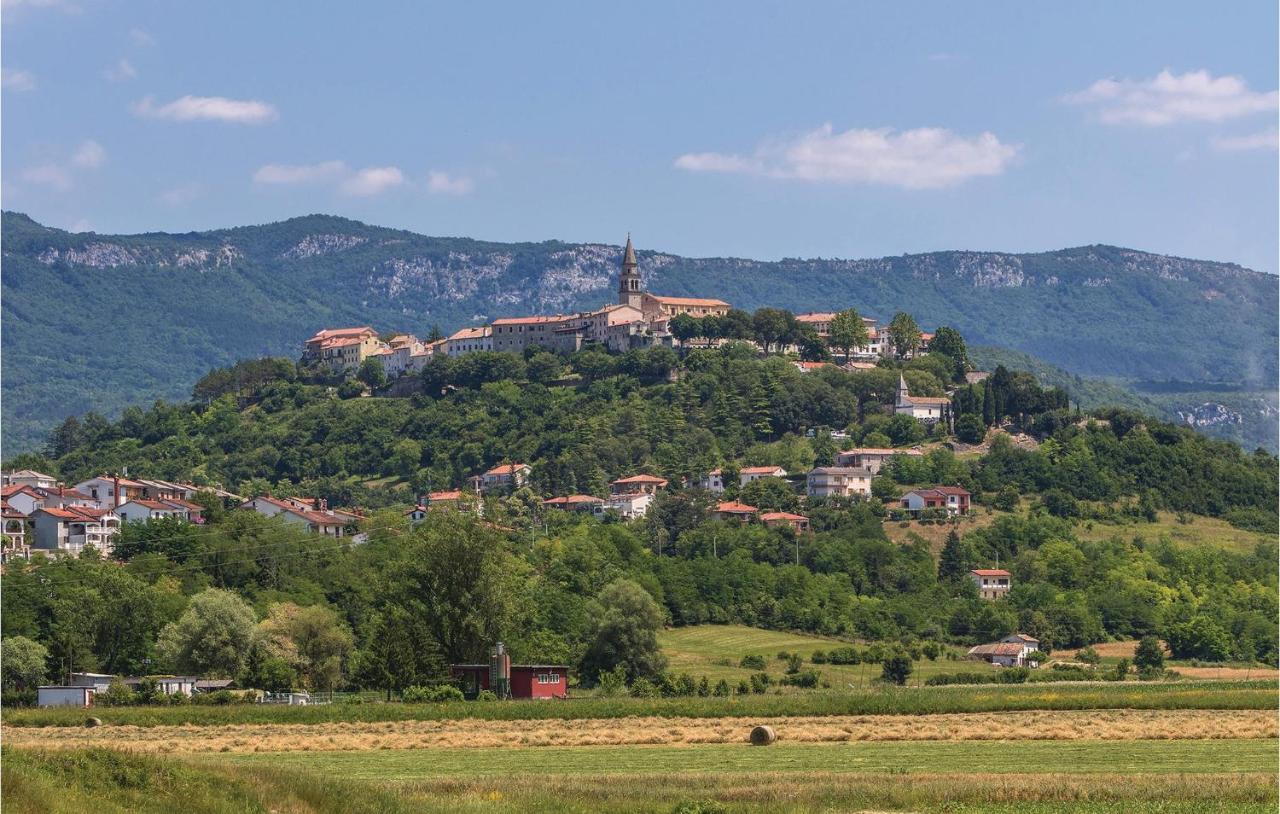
<point x="1011" y="651"/>
<point x="512" y="680"/>
<point x="65" y="696"/>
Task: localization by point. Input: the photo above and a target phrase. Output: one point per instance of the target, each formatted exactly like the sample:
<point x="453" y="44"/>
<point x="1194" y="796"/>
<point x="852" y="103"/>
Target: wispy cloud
<point x="442" y="183"/>
<point x="52" y="176"/>
<point x="925" y="158"/>
<point x="121" y="71"/>
<point x="299" y="173"/>
<point x="373" y="181"/>
<point x="208" y="108"/>
<point x="1265" y="140"/>
<point x="17" y="81"/>
<point x="89" y="155"/>
<point x="60" y="175"/>
<point x="141" y="37"/>
<point x="1169" y="98"/>
<point x="361" y="183"/>
<point x="180" y="195"/>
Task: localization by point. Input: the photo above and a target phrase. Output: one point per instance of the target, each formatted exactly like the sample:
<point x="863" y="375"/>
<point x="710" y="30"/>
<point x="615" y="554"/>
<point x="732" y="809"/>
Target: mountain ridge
<point x="214" y="296"/>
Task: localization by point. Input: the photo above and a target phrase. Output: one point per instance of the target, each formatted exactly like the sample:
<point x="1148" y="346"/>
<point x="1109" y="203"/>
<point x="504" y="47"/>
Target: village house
<point x="60" y="696"/>
<point x="69" y="531"/>
<point x="447" y="500"/>
<point x="734" y="511"/>
<point x="872" y="458"/>
<point x="713" y="481"/>
<point x="514" y="334"/>
<point x="26" y="499"/>
<point x="310" y="513"/>
<point x="993" y="583"/>
<point x="469" y="340"/>
<point x="397" y="357"/>
<point x="627" y="505"/>
<point x="28" y="477"/>
<point x="111" y="491"/>
<point x="507" y="680"/>
<point x="820" y="321"/>
<point x="648" y="484"/>
<point x="809" y="367"/>
<point x="929" y="409"/>
<point x="1012" y="651"/>
<point x="796" y="522"/>
<point x="504" y="477"/>
<point x="839" y="481"/>
<point x="13" y="544"/>
<point x="140" y="510"/>
<point x="341" y="349"/>
<point x="574" y="503"/>
<point x="953" y="499"/>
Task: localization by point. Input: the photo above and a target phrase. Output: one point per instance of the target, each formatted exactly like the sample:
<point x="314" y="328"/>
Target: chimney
<point x="324" y="505"/>
<point x="116" y="482"/>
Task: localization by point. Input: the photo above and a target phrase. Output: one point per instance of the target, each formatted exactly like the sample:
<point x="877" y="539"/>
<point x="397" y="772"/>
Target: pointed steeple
<point x="629" y="291"/>
<point x="629" y="255"/>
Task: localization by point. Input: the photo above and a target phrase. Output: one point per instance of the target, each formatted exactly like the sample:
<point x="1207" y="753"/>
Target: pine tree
<point x="952" y="563"/>
<point x="988" y="405"/>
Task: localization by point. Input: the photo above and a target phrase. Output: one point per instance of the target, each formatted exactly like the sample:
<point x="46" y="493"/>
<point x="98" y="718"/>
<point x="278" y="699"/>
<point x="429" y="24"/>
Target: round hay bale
<point x="763" y="736"/>
<point x="92" y="722"/>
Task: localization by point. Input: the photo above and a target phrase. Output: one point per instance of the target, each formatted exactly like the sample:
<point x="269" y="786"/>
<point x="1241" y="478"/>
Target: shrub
<point x="744" y="687"/>
<point x="807" y="679"/>
<point x="794" y="663"/>
<point x="1089" y="656"/>
<point x="18" y="698"/>
<point x="845" y="655"/>
<point x="437" y="694"/>
<point x="752" y="663"/>
<point x="116" y="695"/>
<point x="1149" y="657"/>
<point x="486" y="695"/>
<point x="644" y="688"/>
<point x="722" y="689"/>
<point x="783" y="655"/>
<point x="931" y="650"/>
<point x="704" y="687"/>
<point x="1121" y="670"/>
<point x="896" y="669"/>
<point x="760" y="682"/>
<point x="685" y="685"/>
<point x="819" y="657"/>
<point x="613" y="682"/>
<point x="700" y="807"/>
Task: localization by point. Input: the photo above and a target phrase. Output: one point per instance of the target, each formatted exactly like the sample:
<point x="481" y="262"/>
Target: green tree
<point x="949" y="342"/>
<point x="313" y="640"/>
<point x="23" y="662"/>
<point x="626" y="633"/>
<point x="399" y="652"/>
<point x="896" y="668"/>
<point x="989" y="416"/>
<point x="956" y="559"/>
<point x="848" y="331"/>
<point x="969" y="429"/>
<point x="772" y="327"/>
<point x="544" y="367"/>
<point x="684" y="327"/>
<point x="904" y="333"/>
<point x="1149" y="657"/>
<point x="405" y="458"/>
<point x="212" y="637"/>
<point x="372" y="373"/>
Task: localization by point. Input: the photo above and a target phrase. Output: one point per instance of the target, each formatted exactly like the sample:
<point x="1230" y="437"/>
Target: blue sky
<point x="715" y="128"/>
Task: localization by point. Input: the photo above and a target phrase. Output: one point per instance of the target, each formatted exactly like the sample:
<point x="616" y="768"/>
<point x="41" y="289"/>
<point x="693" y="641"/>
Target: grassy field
<point x="881" y="701"/>
<point x="1137" y="777"/>
<point x="1198" y="531"/>
<point x="717" y="650"/>
<point x="935" y="535"/>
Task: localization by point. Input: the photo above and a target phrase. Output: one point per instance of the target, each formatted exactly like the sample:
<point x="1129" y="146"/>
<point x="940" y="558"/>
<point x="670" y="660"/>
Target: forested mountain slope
<point x="96" y="322"/>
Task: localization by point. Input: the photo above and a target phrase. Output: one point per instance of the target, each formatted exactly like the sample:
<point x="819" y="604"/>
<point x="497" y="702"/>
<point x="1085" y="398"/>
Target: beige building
<point x="839" y="481"/>
<point x="469" y="340"/>
<point x="341" y="349"/>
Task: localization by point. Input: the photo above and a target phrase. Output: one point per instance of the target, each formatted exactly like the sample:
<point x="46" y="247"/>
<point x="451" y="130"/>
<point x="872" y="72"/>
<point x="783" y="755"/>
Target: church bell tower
<point x="629" y="291"/>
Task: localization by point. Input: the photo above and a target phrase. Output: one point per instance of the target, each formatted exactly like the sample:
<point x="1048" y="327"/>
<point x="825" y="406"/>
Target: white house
<point x="28" y="477"/>
<point x="872" y="458"/>
<point x="953" y="499"/>
<point x="314" y="515"/>
<point x="637" y="483"/>
<point x="929" y="409"/>
<point x="993" y="583"/>
<point x="139" y="510"/>
<point x="111" y="490"/>
<point x="839" y="481"/>
<point x="628" y="505"/>
<point x="468" y="340"/>
<point x="71" y="530"/>
<point x="505" y="476"/>
<point x="714" y="480"/>
<point x="1011" y="651"/>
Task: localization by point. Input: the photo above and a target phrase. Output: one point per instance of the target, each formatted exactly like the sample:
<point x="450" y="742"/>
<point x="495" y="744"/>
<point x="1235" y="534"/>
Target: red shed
<point x="527" y="680"/>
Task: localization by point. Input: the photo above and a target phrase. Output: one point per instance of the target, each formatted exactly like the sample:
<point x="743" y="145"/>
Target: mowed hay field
<point x="716" y="651"/>
<point x="1196" y="531"/>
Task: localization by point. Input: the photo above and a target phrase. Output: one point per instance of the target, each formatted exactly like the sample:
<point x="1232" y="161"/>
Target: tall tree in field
<point x="953" y="562"/>
<point x="626" y="633"/>
<point x="848" y="331"/>
<point x="313" y="640"/>
<point x="211" y="638"/>
<point x="23" y="662"/>
<point x="399" y="652"/>
<point x="904" y="333"/>
<point x="770" y="326"/>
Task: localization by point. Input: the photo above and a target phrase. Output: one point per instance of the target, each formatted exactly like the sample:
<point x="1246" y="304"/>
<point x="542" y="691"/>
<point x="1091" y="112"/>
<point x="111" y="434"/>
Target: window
<point x="548" y="678"/>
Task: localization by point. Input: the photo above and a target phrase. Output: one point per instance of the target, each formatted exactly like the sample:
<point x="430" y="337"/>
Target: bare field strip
<point x="471" y="733"/>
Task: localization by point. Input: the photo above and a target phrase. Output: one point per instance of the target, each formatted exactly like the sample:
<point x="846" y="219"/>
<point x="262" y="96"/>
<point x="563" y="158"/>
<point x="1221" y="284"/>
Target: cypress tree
<point x="952" y="563"/>
<point x="988" y="404"/>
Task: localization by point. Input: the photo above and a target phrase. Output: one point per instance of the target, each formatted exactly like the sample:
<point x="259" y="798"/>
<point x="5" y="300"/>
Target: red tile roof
<point x="991" y="572"/>
<point x="690" y="301"/>
<point x="787" y="516"/>
<point x="539" y="320"/>
<point x="505" y="469"/>
<point x="456" y="494"/>
<point x="734" y="507"/>
<point x="759" y="470"/>
<point x="642" y="479"/>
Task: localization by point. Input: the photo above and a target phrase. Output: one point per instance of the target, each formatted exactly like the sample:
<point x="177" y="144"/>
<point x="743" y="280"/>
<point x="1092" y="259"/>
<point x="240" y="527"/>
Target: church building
<point x="929" y="409"/>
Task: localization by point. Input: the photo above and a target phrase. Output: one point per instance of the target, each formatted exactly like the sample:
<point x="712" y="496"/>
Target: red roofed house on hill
<point x="929" y="409"/>
<point x="638" y="483"/>
<point x="953" y="499"/>
<point x="993" y="583"/>
<point x="733" y="510"/>
<point x="797" y="522"/>
<point x="871" y="457"/>
<point x="504" y="476"/>
<point x="71" y="530"/>
<point x="312" y="513"/>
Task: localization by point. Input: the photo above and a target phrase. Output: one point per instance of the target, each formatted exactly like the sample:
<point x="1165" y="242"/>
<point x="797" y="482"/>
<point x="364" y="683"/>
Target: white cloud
<point x="181" y="194"/>
<point x="364" y="182"/>
<point x="299" y="173"/>
<point x="121" y="71"/>
<point x="53" y="176"/>
<point x="89" y="155"/>
<point x="373" y="181"/>
<point x="208" y="108"/>
<point x="81" y="225"/>
<point x="141" y="37"/>
<point x="17" y="81"/>
<point x="1265" y="140"/>
<point x="925" y="158"/>
<point x="443" y="183"/>
<point x="1168" y="98"/>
